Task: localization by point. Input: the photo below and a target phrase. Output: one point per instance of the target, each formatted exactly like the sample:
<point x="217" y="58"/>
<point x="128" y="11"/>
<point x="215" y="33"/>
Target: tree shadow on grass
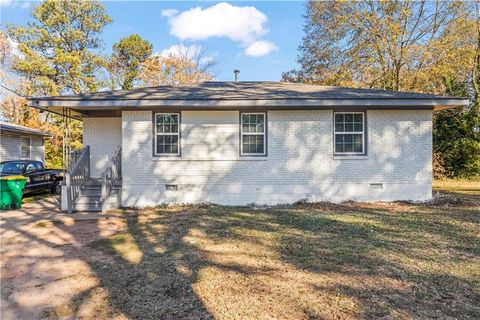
<point x="366" y="244"/>
<point x="146" y="279"/>
<point x="389" y="264"/>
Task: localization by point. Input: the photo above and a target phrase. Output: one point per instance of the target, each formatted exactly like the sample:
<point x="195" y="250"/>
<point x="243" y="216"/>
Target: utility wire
<point x="13" y="91"/>
<point x="31" y="105"/>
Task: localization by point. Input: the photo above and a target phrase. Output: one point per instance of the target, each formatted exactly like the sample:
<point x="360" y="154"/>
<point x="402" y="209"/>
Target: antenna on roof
<point x="237" y="72"/>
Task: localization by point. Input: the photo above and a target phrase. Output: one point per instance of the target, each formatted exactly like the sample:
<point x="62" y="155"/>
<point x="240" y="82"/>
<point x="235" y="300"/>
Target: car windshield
<point x="12" y="167"/>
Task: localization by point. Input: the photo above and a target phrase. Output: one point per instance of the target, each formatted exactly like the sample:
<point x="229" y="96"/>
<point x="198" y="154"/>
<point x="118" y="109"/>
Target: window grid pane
<point x="25" y="147"/>
<point x="253" y="133"/>
<point x="348" y="143"/>
<point x="348" y="122"/>
<point x="167" y="126"/>
<point x="253" y="123"/>
<point x="349" y="132"/>
<point x="253" y="144"/>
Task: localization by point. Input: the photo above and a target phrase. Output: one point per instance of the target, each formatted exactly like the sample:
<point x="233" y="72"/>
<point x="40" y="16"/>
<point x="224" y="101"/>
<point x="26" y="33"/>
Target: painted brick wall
<point x="300" y="162"/>
<point x="103" y="135"/>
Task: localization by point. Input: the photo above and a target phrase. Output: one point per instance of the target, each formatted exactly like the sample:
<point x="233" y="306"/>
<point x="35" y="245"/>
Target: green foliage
<point x="456" y="135"/>
<point x="128" y="55"/>
<point x="54" y="145"/>
<point x="57" y="49"/>
<point x="58" y="55"/>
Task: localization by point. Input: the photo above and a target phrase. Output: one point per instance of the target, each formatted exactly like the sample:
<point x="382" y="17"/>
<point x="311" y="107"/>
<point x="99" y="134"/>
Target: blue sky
<point x="258" y="37"/>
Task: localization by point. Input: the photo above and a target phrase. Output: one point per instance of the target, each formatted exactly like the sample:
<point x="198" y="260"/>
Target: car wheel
<point x="57" y="188"/>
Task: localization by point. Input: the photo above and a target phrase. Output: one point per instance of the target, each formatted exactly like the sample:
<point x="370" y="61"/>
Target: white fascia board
<point x="115" y="104"/>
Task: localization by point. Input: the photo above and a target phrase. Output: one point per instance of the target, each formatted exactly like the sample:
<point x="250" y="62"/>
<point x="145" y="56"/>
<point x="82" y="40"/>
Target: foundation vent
<point x="376" y="186"/>
<point x="171" y="187"/>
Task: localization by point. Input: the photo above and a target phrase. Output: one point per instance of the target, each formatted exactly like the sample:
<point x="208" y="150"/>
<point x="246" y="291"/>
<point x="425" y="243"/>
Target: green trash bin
<point x="11" y="191"/>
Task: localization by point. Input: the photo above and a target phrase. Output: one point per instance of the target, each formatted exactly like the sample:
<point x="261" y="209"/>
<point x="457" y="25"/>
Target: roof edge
<point x="5" y="126"/>
<point x="116" y="104"/>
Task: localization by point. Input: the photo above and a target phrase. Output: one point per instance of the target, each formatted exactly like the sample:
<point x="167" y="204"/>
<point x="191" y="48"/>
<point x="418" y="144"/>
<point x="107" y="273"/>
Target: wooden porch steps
<point x="89" y="198"/>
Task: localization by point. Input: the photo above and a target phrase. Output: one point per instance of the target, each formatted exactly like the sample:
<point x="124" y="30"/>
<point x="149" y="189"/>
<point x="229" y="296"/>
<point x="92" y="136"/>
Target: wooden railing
<point x="110" y="176"/>
<point x="76" y="175"/>
<point x="73" y="158"/>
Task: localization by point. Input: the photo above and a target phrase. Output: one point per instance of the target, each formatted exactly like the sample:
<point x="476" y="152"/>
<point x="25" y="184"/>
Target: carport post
<point x="68" y="184"/>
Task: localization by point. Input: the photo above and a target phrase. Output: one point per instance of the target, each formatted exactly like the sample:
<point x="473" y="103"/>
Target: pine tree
<point x="128" y="55"/>
<point x="57" y="50"/>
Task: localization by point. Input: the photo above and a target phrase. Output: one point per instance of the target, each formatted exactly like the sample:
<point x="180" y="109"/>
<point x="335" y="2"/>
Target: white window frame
<point x="349" y="132"/>
<point x="254" y="134"/>
<point x="29" y="147"/>
<point x="167" y="134"/>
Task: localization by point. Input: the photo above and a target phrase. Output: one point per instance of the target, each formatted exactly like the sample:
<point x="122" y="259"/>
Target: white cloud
<point x="260" y="48"/>
<point x="245" y="25"/>
<point x="6" y="3"/>
<point x="169" y="12"/>
<point x="221" y="20"/>
<point x="182" y="50"/>
<point x="191" y="51"/>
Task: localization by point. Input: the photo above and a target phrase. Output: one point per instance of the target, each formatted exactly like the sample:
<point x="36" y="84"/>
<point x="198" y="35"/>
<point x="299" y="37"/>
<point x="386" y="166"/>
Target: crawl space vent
<point x="376" y="186"/>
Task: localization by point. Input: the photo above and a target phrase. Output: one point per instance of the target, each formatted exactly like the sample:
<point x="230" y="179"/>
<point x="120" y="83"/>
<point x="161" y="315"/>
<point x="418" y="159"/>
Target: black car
<point x="38" y="178"/>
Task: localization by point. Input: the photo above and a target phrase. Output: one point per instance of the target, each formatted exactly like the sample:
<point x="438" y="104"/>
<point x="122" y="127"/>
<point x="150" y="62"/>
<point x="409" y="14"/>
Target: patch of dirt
<point x="45" y="273"/>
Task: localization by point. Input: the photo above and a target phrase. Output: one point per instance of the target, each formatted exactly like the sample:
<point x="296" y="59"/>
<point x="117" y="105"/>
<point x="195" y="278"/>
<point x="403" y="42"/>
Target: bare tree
<point x="181" y="64"/>
<point x="394" y="45"/>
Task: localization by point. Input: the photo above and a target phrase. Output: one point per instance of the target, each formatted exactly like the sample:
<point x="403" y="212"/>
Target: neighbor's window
<point x="26" y="147"/>
<point x="252" y="130"/>
<point x="349" y="133"/>
<point x="167" y="134"/>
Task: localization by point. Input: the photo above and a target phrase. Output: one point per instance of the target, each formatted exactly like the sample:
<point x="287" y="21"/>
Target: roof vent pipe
<point x="237" y="72"/>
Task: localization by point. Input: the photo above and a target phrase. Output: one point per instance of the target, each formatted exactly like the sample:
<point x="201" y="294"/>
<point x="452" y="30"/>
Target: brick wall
<point x="299" y="165"/>
<point x="103" y="135"/>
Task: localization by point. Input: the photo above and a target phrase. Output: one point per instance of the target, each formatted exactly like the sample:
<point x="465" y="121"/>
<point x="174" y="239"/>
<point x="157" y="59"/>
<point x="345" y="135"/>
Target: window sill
<point x="350" y="157"/>
<point x="167" y="156"/>
<point x="243" y="158"/>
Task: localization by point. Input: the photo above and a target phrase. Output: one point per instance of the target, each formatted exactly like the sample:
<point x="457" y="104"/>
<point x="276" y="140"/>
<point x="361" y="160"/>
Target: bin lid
<point x="13" y="178"/>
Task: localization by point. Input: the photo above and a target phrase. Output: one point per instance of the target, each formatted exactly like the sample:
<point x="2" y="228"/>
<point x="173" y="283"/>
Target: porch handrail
<point x="110" y="176"/>
<point x="74" y="156"/>
<point x="76" y="176"/>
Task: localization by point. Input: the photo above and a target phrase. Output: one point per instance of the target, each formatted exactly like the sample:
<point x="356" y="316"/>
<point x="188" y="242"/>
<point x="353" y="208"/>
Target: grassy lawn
<point x="318" y="261"/>
<point x="457" y="188"/>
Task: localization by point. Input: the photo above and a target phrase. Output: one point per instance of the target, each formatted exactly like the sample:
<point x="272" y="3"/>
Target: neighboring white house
<point x="237" y="143"/>
<point x="19" y="142"/>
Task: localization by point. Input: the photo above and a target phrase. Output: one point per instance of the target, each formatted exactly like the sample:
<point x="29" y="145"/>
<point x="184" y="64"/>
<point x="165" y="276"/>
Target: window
<point x="167" y="134"/>
<point x="39" y="166"/>
<point x="30" y="168"/>
<point x="252" y="131"/>
<point x="25" y="148"/>
<point x="349" y="132"/>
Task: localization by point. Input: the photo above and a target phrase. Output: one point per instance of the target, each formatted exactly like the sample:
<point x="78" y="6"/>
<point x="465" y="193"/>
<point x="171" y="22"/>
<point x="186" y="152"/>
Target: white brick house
<point x="260" y="142"/>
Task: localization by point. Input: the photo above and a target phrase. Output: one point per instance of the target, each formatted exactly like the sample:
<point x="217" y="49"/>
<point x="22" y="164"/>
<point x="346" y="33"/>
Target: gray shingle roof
<point x="245" y="91"/>
<point x="4" y="126"/>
